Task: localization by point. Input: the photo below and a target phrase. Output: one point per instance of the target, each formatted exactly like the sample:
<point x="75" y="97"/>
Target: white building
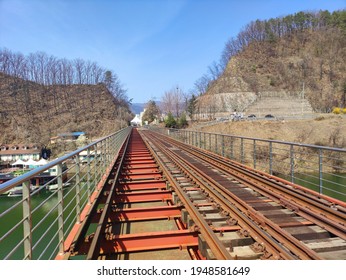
<point x="137" y="121"/>
<point x="13" y="152"/>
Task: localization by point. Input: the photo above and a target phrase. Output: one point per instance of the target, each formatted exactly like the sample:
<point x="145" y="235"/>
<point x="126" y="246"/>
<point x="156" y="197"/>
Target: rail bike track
<point x="167" y="200"/>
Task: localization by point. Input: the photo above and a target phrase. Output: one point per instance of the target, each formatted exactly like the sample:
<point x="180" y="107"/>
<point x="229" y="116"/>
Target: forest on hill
<point x="42" y="96"/>
<point x="303" y="52"/>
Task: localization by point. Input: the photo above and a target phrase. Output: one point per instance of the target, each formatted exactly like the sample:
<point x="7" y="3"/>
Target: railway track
<point x="164" y="199"/>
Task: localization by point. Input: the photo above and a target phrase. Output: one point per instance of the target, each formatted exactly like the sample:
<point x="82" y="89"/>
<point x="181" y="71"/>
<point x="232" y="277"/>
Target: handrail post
<point x="89" y="175"/>
<point x="108" y="151"/>
<point x="254" y="154"/>
<point x="27" y="221"/>
<point x="60" y="209"/>
<point x="242" y="150"/>
<point x="292" y="163"/>
<point x="216" y="150"/>
<point x="320" y="169"/>
<point x="104" y="156"/>
<point x="270" y="158"/>
<point x="209" y="141"/>
<point x="78" y="210"/>
<point x="231" y="149"/>
<point x="96" y="163"/>
<point x="113" y="147"/>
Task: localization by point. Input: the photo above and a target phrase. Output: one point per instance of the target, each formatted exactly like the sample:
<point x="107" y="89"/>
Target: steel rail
<point x="94" y="249"/>
<point x="101" y="239"/>
<point x="310" y="207"/>
<point x="223" y="196"/>
<point x="214" y="243"/>
<point x="326" y="214"/>
<point x="326" y="217"/>
<point x="185" y="135"/>
<point x="308" y="195"/>
<point x="276" y="232"/>
<point x="275" y="249"/>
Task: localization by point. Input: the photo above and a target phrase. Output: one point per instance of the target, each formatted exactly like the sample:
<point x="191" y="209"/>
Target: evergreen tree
<point x="151" y="113"/>
<point x="182" y="122"/>
<point x="191" y="108"/>
<point x="170" y="121"/>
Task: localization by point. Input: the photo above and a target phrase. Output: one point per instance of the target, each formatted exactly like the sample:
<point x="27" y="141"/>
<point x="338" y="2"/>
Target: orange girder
<point x="138" y="166"/>
<point x="142" y="214"/>
<point x="141" y="185"/>
<point x="142" y="196"/>
<point x="141" y="161"/>
<point x="142" y="170"/>
<point x="152" y="175"/>
<point x="149" y="241"/>
<point x="137" y="214"/>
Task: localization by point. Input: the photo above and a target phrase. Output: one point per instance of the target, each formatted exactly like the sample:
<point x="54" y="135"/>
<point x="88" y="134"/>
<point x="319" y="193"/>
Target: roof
<point x="77" y="133"/>
<point x="19" y="149"/>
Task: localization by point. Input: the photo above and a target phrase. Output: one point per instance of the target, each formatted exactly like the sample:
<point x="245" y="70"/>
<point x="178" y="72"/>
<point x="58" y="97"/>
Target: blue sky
<point x="152" y="45"/>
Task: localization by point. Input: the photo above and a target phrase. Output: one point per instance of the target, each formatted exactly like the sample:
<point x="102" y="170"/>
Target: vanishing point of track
<point x="167" y="200"/>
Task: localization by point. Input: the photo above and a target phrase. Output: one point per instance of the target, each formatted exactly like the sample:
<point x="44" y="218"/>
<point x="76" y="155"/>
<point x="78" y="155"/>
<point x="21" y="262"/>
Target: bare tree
<point x="172" y="101"/>
<point x="49" y="70"/>
<point x="79" y="66"/>
<point x="167" y="102"/>
<point x="202" y="84"/>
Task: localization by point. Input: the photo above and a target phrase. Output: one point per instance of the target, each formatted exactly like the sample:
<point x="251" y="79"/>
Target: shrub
<point x="182" y="122"/>
<point x="170" y="121"/>
<point x="320" y="118"/>
<point x="336" y="110"/>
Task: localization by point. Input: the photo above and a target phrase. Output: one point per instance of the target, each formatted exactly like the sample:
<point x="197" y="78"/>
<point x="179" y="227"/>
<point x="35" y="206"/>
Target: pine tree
<point x="151" y="113"/>
<point x="170" y="121"/>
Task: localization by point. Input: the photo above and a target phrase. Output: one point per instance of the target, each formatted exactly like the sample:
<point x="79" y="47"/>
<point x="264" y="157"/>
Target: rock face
<point x="304" y="70"/>
<point x="33" y="113"/>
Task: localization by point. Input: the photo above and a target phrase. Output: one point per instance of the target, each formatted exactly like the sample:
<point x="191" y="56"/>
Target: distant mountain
<point x="137" y="108"/>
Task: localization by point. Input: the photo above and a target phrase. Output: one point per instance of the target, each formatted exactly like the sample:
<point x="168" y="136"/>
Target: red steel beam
<point x="136" y="166"/>
<point x="149" y="241"/>
<point x="136" y="157"/>
<point x="142" y="197"/>
<point x="143" y="170"/>
<point x="138" y="161"/>
<point x="141" y="185"/>
<point x="142" y="214"/>
<point x="143" y="176"/>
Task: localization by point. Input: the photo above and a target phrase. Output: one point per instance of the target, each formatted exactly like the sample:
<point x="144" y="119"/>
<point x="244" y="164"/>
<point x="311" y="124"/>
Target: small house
<point x="12" y="152"/>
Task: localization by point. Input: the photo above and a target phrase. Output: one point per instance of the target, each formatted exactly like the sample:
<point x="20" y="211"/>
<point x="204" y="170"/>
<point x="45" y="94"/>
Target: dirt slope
<point x="325" y="130"/>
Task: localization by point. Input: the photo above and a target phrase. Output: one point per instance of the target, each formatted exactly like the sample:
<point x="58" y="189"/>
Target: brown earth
<point x="324" y="130"/>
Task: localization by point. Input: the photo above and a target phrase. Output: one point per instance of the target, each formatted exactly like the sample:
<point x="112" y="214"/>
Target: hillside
<point x="324" y="130"/>
<point x="307" y="60"/>
<point x="32" y="113"/>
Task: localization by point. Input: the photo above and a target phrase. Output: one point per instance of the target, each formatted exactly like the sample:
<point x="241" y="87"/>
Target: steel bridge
<point x="180" y="194"/>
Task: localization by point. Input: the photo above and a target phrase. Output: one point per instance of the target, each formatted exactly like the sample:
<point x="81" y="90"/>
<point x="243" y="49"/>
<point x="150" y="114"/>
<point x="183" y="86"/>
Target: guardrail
<point x="322" y="169"/>
<point x="34" y="224"/>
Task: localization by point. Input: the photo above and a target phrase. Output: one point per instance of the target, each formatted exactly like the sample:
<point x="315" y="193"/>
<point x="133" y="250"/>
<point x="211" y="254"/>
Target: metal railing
<point x="320" y="168"/>
<point x="34" y="224"/>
